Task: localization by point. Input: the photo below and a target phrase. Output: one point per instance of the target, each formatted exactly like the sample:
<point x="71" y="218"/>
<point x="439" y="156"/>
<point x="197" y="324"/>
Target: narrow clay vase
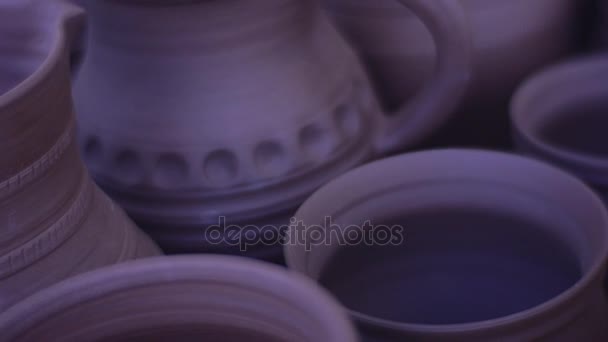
<point x="54" y="221"/>
<point x="560" y="115"/>
<point x="532" y="273"/>
<point x="187" y="117"/>
<point x="511" y="39"/>
<point x="181" y="298"/>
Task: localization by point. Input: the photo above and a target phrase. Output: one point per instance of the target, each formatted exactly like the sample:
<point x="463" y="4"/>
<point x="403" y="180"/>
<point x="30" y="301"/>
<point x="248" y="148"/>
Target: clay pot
<point x="54" y="221"/>
<point x="511" y="39"/>
<point x="559" y="115"/>
<point x="185" y="298"/>
<point x="477" y="246"/>
<point x="186" y="117"/>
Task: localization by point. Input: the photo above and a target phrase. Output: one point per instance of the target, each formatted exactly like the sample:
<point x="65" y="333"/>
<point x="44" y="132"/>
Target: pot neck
<point x="195" y="25"/>
<point x="41" y="174"/>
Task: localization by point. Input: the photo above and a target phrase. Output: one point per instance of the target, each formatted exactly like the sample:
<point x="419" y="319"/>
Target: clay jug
<point x="54" y="221"/>
<point x="459" y="245"/>
<point x="511" y="39"/>
<point x="181" y="298"/>
<point x="188" y="118"/>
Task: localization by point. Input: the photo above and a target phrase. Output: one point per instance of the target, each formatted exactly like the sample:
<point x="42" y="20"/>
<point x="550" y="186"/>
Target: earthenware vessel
<point x="187" y="119"/>
<point x="560" y="115"/>
<point x="54" y="221"/>
<point x="474" y="228"/>
<point x="398" y="51"/>
<point x="185" y="298"/>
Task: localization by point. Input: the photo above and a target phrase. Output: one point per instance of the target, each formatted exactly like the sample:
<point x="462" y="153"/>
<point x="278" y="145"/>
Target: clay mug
<point x="181" y="298"/>
<point x="560" y="115"/>
<point x="459" y="245"/>
<point x="399" y="53"/>
<point x="186" y="118"/>
<point x="54" y="221"/>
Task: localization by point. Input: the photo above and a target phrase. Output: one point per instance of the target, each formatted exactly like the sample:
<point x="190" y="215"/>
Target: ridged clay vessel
<point x="181" y="298"/>
<point x="195" y="110"/>
<point x="54" y="221"/>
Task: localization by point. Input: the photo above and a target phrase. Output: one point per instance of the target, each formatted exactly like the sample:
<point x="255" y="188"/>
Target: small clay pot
<point x="489" y="247"/>
<point x="561" y="114"/>
<point x="510" y="40"/>
<point x="182" y="298"/>
<point x="54" y="221"/>
<point x="186" y="118"/>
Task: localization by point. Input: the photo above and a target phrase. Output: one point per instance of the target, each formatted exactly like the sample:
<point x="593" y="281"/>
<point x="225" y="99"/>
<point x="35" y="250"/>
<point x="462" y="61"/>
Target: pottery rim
<point x="69" y="19"/>
<point x="297" y="291"/>
<point x="588" y="276"/>
<point x="553" y="81"/>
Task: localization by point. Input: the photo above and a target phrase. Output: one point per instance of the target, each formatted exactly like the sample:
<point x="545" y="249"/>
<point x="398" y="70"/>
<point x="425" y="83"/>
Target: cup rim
<point x="565" y="298"/>
<point x="311" y="299"/>
<point x="537" y="83"/>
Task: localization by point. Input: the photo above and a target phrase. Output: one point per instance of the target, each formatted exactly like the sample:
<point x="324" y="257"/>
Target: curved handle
<point x="447" y="23"/>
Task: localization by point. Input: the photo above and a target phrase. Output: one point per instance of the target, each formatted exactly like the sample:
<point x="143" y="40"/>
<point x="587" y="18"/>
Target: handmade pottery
<point x="561" y="115"/>
<point x="489" y="247"/>
<point x="54" y="221"/>
<point x="181" y="298"/>
<point x="510" y="40"/>
<point x="187" y="119"/>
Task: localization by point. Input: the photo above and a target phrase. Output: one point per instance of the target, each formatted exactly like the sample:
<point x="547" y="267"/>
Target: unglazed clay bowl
<point x="489" y="247"/>
<point x="561" y="114"/>
<point x="185" y="298"/>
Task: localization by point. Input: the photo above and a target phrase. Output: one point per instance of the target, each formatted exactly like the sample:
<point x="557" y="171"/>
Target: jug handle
<point x="446" y="21"/>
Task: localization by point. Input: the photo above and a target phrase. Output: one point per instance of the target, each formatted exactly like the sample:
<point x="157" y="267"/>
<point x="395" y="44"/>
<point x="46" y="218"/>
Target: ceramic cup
<point x="185" y="298"/>
<point x="463" y="245"/>
<point x="561" y="115"/>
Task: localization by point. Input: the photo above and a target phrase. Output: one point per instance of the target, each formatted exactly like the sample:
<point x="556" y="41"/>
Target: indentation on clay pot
<point x="271" y="159"/>
<point x="317" y="142"/>
<point x="454" y="266"/>
<point x="171" y="170"/>
<point x="128" y="168"/>
<point x="221" y="167"/>
<point x="93" y="150"/>
<point x="348" y="120"/>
